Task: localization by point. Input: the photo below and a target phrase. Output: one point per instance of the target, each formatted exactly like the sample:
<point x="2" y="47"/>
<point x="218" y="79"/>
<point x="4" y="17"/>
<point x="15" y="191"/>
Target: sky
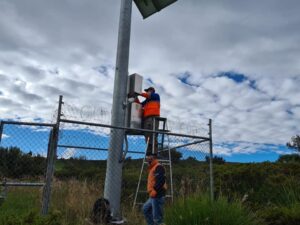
<point x="236" y="62"/>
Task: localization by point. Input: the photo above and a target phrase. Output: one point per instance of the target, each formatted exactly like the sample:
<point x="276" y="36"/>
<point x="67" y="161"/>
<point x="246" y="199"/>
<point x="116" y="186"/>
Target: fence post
<point x="211" y="176"/>
<point x="51" y="155"/>
<point x="1" y="130"/>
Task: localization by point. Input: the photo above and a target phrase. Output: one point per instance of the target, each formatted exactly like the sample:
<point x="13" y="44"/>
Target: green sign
<point x="149" y="7"/>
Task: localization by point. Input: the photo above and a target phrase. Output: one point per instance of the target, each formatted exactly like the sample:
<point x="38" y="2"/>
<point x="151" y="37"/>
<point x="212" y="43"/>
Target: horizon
<point x="230" y="61"/>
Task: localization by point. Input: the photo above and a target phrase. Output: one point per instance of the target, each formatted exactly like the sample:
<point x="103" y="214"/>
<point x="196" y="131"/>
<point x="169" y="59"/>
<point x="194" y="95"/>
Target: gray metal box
<point x="134" y="110"/>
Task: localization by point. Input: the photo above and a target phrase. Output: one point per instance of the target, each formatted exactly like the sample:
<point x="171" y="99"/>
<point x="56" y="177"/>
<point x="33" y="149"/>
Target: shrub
<point x="32" y="218"/>
<point x="282" y="215"/>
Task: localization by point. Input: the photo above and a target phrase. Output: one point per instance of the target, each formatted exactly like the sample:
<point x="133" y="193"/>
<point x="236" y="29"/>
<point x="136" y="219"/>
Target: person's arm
<point x="145" y="95"/>
<point x="136" y="100"/>
<point x="160" y="178"/>
<point x="133" y="97"/>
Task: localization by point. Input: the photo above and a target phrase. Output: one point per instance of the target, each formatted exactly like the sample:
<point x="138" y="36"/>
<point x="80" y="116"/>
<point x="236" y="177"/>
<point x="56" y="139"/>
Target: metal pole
<point x="113" y="179"/>
<point x="51" y="155"/>
<point x="1" y="130"/>
<point x="211" y="161"/>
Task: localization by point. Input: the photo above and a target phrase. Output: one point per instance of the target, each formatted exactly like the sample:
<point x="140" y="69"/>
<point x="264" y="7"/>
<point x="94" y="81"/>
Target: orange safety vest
<point x="151" y="106"/>
<point x="151" y="177"/>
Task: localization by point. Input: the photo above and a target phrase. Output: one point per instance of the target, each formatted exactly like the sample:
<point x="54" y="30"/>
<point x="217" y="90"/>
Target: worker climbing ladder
<point x="164" y="158"/>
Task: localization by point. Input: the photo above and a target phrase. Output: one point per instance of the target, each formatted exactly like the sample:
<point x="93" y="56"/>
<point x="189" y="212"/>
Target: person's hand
<point x="132" y="95"/>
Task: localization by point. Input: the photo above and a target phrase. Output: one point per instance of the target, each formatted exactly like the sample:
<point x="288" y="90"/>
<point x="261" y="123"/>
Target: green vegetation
<point x="16" y="164"/>
<point x="199" y="210"/>
<point x="22" y="208"/>
<point x="267" y="191"/>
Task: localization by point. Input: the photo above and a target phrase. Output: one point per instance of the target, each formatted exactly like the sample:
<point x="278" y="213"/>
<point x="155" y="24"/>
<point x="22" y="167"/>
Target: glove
<point x="153" y="194"/>
<point x="131" y="100"/>
<point x="133" y="95"/>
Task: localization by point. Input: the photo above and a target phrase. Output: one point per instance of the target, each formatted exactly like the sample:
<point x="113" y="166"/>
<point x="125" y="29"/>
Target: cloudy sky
<point x="236" y="62"/>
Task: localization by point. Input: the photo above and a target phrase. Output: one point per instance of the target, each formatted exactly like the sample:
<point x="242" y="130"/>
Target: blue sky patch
<point x="238" y="78"/>
<point x="184" y="78"/>
<point x="150" y="80"/>
<point x="289" y="112"/>
<point x="103" y="69"/>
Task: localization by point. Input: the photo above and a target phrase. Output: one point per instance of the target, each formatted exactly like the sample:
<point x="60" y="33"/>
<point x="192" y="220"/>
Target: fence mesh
<point x="82" y="153"/>
<point x="23" y="152"/>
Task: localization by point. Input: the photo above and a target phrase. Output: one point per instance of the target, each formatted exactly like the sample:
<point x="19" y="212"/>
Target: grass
<point x="71" y="204"/>
<point x="286" y="209"/>
<point x="20" y="201"/>
<point x="22" y="204"/>
<point x="199" y="210"/>
<point x="72" y="201"/>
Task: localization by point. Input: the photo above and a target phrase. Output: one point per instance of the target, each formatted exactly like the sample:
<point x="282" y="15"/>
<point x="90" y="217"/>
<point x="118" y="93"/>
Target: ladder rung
<point x="160" y="118"/>
<point x="164" y="160"/>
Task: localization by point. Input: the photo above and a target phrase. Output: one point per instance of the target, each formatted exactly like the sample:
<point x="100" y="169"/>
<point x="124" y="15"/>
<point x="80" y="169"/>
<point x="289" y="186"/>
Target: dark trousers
<point x="148" y="123"/>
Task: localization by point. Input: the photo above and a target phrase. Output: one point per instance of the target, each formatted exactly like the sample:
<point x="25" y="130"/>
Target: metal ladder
<point x="166" y="162"/>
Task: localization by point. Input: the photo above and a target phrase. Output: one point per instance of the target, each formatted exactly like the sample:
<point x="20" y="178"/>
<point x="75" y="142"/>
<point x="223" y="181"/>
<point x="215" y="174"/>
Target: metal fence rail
<point x="24" y="151"/>
<point x="74" y="150"/>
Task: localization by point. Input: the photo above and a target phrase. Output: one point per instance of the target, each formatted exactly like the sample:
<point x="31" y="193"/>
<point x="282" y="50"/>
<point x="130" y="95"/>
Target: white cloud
<point x="68" y="153"/>
<point x="51" y="48"/>
<point x="5" y="136"/>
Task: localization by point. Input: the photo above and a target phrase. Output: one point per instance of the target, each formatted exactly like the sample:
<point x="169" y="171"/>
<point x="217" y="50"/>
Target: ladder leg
<point x="140" y="177"/>
<point x="163" y="135"/>
<point x="153" y="136"/>
<point x="171" y="172"/>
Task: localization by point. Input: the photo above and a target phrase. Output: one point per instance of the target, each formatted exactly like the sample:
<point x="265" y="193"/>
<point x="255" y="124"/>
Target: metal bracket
<point x="124" y="153"/>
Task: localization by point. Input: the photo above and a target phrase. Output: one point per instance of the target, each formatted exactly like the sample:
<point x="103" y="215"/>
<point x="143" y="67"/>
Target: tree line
<point x="16" y="164"/>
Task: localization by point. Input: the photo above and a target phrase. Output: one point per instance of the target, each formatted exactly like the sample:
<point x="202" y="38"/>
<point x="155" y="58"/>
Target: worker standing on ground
<point x="156" y="188"/>
<point x="151" y="109"/>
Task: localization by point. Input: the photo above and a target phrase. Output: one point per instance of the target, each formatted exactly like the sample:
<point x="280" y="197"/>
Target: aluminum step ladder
<point x="166" y="161"/>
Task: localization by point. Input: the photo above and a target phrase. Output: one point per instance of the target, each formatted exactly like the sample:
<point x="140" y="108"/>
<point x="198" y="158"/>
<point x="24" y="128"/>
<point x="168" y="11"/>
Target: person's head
<point x="149" y="90"/>
<point x="150" y="158"/>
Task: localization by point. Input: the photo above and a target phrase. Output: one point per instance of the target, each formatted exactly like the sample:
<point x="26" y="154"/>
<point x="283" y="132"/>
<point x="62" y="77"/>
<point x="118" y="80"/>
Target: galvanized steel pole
<point x="211" y="161"/>
<point x="1" y="130"/>
<point x="113" y="179"/>
<point x="51" y="155"/>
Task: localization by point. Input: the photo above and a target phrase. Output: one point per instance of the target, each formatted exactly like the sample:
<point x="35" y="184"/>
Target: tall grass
<point x="72" y="201"/>
<point x="289" y="194"/>
<point x="201" y="211"/>
<point x="286" y="209"/>
<point x="71" y="204"/>
<point x="75" y="199"/>
<point x="20" y="203"/>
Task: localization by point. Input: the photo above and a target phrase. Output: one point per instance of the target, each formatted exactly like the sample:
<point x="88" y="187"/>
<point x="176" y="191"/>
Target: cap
<point x="149" y="89"/>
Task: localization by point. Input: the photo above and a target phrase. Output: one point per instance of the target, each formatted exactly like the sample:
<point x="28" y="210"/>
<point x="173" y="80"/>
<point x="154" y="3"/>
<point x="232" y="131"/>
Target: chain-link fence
<point x="23" y="157"/>
<point x="75" y="150"/>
